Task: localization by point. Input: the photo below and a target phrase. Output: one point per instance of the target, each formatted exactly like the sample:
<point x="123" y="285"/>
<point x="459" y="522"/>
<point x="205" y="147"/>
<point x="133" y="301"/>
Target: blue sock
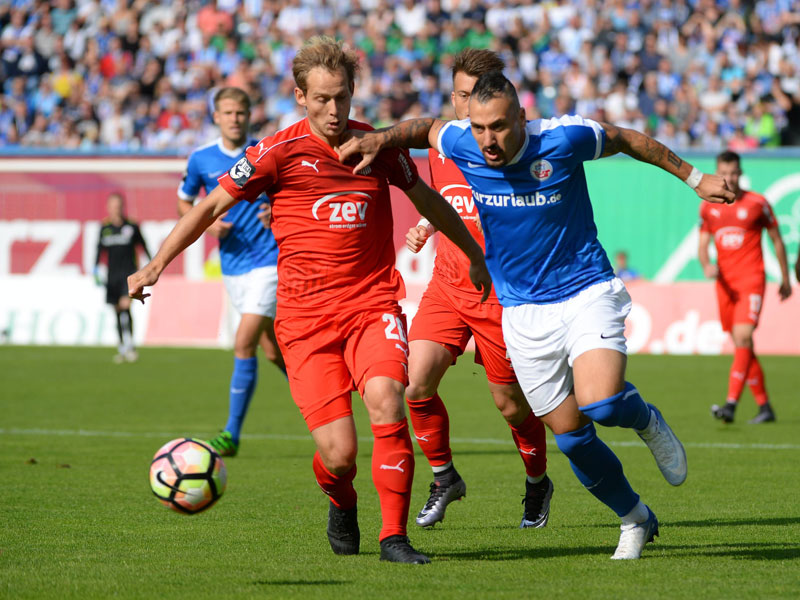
<point x="598" y="469"/>
<point x="243" y="384"/>
<point x="626" y="409"/>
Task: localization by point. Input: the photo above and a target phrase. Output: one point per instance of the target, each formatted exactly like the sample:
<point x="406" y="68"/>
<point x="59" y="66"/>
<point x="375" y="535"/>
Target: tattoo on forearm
<point x="409" y="134"/>
<point x="673" y="158"/>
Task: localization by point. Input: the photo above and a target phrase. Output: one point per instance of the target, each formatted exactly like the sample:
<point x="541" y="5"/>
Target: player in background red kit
<point x="338" y="322"/>
<point x="739" y="272"/>
<point x="449" y="314"/>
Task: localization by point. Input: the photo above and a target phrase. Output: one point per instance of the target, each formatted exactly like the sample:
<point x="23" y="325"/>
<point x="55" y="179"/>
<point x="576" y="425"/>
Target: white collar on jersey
<point x="232" y="153"/>
<point x="524" y="147"/>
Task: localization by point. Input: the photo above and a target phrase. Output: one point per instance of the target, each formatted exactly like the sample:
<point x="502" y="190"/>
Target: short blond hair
<point x="326" y="52"/>
<point x="475" y="62"/>
<point x="232" y="93"/>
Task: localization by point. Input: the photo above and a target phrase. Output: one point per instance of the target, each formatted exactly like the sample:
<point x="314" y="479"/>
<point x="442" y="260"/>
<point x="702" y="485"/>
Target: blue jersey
<point x="248" y="244"/>
<point x="541" y="239"/>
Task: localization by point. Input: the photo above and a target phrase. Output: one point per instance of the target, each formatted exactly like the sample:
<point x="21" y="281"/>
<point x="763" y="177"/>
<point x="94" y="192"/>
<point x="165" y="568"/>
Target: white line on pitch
<point x="302" y="438"/>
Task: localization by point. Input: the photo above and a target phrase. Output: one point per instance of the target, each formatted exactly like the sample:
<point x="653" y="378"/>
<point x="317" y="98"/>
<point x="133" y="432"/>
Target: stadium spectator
<point x="689" y="45"/>
<point x="622" y="269"/>
<point x="340" y="327"/>
<point x="739" y="275"/>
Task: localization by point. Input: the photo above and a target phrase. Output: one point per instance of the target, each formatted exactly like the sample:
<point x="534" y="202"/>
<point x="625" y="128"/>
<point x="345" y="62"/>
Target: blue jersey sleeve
<point x="586" y="137"/>
<point x="192" y="180"/>
<point x="449" y="136"/>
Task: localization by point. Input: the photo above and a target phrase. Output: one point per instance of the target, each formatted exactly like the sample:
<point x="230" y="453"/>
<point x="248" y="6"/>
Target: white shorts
<point x="254" y="292"/>
<point x="544" y="340"/>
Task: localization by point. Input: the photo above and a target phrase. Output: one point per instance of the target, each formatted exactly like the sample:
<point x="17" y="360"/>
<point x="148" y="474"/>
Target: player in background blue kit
<point x="563" y="309"/>
<point x="248" y="254"/>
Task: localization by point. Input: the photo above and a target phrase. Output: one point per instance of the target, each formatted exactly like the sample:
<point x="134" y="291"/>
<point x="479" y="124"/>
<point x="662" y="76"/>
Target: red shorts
<point x="329" y="356"/>
<point x="450" y="320"/>
<point x="741" y="304"/>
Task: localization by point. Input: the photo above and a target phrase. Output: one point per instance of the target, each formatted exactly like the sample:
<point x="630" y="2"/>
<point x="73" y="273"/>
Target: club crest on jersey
<point x="541" y="169"/>
<point x="741" y="214"/>
<point x="241" y="171"/>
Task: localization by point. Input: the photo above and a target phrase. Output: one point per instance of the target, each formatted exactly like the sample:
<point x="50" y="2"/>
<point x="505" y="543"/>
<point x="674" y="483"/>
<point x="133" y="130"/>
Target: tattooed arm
<point x="413" y="133"/>
<point x="644" y="148"/>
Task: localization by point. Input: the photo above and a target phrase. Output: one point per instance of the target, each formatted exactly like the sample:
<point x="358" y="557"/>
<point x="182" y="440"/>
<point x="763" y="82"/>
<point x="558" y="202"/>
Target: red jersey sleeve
<point x="252" y="174"/>
<point x="402" y="170"/>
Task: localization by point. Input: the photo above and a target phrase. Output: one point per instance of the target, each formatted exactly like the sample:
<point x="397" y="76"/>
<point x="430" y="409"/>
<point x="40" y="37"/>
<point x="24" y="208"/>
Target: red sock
<point x="742" y="357"/>
<point x="529" y="437"/>
<point x="392" y="473"/>
<point x="338" y="487"/>
<point x="755" y="379"/>
<point x="431" y="428"/>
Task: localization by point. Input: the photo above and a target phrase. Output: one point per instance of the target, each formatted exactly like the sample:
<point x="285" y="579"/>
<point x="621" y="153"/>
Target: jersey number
<point x="394" y="328"/>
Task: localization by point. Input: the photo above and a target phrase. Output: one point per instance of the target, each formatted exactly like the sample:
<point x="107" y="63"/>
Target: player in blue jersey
<point x="563" y="309"/>
<point x="248" y="254"/>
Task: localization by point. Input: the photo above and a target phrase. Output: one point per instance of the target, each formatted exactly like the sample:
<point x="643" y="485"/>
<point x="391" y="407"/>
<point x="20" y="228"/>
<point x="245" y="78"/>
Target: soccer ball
<point x="187" y="475"/>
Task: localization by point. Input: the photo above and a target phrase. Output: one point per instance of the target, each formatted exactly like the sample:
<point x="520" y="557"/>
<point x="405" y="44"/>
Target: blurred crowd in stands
<point x="132" y="75"/>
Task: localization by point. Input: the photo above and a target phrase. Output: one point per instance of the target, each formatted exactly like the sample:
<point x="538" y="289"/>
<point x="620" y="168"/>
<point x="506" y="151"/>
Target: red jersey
<point x="737" y="235"/>
<point x="333" y="228"/>
<point x="452" y="265"/>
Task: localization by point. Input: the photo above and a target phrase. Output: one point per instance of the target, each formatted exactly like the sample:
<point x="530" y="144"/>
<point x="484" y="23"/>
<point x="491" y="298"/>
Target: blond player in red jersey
<point x="450" y="313"/>
<point x="736" y="229"/>
<point x="338" y="323"/>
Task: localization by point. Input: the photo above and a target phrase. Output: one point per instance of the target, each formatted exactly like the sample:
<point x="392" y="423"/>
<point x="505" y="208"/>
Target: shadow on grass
<point x="754" y="551"/>
<point x="712" y="522"/>
<point x="781" y="521"/>
<point x="289" y="582"/>
<point x="522" y="553"/>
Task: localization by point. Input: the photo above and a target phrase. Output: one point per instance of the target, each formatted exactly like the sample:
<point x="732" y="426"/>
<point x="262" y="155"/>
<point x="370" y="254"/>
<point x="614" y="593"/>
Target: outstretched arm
<point x="644" y="148"/>
<point x="444" y="218"/>
<point x="414" y="133"/>
<point x="780" y="253"/>
<point x="186" y="231"/>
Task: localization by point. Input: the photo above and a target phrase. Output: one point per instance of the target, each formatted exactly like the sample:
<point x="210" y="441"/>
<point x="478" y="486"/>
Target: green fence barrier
<point x="653" y="216"/>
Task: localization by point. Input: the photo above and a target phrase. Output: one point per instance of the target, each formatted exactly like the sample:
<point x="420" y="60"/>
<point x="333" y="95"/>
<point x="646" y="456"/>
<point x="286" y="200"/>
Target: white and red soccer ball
<point x="187" y="475"/>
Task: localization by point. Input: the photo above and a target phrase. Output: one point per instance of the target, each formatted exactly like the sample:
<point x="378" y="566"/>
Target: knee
<point x="340" y="458"/>
<point x="419" y="389"/>
<point x="383" y="398"/>
<point x="573" y="443"/>
<point x="513" y="407"/>
<point x="244" y="350"/>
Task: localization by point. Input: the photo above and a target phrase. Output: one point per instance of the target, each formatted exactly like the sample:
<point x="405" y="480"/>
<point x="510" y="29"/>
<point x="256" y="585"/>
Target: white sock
<point x="536" y="479"/>
<point x="442" y="468"/>
<point x="637" y="515"/>
<point x="127" y="342"/>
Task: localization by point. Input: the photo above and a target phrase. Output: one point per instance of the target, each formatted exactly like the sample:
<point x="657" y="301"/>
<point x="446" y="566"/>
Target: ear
<point x="453" y="98"/>
<point x="300" y="97"/>
<point x="215" y="116"/>
<point x="522" y="117"/>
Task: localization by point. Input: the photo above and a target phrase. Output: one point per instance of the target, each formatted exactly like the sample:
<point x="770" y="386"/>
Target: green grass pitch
<point x="77" y="519"/>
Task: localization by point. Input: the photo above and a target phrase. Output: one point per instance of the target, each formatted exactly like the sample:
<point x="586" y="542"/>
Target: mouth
<point x="492" y="153"/>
